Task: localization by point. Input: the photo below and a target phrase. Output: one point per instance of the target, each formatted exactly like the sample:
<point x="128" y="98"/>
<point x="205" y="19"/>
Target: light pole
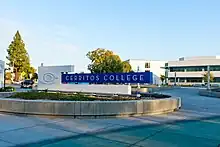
<point x="175" y="79"/>
<point x="5" y="75"/>
<point x="208" y="77"/>
<point x="138" y="86"/>
<point x="138" y="68"/>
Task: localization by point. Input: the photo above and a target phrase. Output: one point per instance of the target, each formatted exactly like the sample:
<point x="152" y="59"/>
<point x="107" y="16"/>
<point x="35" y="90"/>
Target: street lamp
<point x="138" y="69"/>
<point x="138" y="85"/>
<point x="5" y="75"/>
<point x="208" y="79"/>
<point x="175" y="78"/>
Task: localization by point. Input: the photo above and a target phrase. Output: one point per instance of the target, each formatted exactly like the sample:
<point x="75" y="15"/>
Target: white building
<point x="139" y="65"/>
<point x="190" y="70"/>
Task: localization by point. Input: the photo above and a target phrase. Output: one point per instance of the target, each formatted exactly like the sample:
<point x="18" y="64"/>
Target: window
<point x="181" y="80"/>
<point x="196" y="68"/>
<point x="147" y="65"/>
<point x="177" y="69"/>
<point x="214" y="68"/>
<point x="191" y="69"/>
<point x="171" y="79"/>
<point x="194" y="80"/>
<point x="138" y="68"/>
<point x="217" y="80"/>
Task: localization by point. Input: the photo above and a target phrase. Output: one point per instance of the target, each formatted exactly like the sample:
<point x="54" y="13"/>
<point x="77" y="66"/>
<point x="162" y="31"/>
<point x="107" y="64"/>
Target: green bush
<point x="7" y="89"/>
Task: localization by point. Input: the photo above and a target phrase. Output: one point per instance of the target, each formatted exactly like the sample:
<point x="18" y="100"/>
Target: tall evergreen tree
<point x="18" y="56"/>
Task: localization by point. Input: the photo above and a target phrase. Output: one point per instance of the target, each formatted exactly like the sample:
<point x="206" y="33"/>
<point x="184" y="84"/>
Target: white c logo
<point x="48" y="78"/>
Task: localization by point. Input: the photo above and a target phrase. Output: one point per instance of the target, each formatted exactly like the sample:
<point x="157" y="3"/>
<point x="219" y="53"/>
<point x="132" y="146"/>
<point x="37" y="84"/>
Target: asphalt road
<point x="192" y="101"/>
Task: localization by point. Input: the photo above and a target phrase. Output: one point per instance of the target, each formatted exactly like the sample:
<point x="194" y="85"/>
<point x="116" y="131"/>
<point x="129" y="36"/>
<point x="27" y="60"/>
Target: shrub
<point x="7" y="89"/>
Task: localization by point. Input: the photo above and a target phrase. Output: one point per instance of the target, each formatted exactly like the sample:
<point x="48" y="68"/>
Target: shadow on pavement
<point x="128" y="128"/>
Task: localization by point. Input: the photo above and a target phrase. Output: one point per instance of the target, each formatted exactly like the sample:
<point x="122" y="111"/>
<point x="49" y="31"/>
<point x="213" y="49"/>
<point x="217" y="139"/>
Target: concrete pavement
<point x="196" y="124"/>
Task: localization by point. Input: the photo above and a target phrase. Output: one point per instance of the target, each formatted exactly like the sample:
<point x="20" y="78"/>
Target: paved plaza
<point x="196" y="124"/>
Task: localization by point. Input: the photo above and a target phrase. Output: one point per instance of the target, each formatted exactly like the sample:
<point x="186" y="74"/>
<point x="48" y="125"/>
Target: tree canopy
<point x="34" y="76"/>
<point x="105" y="61"/>
<point x="18" y="57"/>
<point x="205" y="77"/>
<point x="162" y="78"/>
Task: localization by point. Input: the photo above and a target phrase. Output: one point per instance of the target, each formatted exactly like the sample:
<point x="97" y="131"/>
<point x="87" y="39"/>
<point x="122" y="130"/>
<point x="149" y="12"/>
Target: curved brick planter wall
<point x="90" y="108"/>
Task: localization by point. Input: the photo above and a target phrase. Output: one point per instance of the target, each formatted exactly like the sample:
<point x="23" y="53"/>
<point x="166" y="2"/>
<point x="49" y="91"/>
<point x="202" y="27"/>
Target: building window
<point x="138" y="68"/>
<point x="177" y="69"/>
<point x="147" y="65"/>
<point x="196" y="68"/>
<point x="217" y="80"/>
<point x="181" y="80"/>
<point x="214" y="68"/>
<point x="192" y="69"/>
<point x="171" y="79"/>
<point x="194" y="80"/>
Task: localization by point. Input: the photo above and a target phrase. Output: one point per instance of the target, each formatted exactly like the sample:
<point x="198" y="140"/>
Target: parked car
<point x="27" y="84"/>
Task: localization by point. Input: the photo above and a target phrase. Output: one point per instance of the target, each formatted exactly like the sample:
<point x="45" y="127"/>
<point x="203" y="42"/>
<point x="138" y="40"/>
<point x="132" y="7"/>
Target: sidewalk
<point x="170" y="130"/>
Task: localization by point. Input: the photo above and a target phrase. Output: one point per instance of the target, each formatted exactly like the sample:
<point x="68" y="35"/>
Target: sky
<point x="61" y="32"/>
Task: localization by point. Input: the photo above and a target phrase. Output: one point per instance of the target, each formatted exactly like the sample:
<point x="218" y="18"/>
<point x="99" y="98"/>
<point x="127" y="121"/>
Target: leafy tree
<point x="126" y="66"/>
<point x="34" y="77"/>
<point x="98" y="58"/>
<point x="162" y="78"/>
<point x="105" y="61"/>
<point x="28" y="72"/>
<point x="18" y="56"/>
<point x="205" y="77"/>
<point x="112" y="63"/>
<point x="8" y="76"/>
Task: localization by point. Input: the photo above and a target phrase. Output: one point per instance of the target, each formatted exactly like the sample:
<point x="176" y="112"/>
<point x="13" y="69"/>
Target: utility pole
<point x="138" y="84"/>
<point x="208" y="79"/>
<point x="5" y="75"/>
<point x="175" y="79"/>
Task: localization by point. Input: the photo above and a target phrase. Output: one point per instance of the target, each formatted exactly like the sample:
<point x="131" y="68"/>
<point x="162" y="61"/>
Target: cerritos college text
<point x="142" y="77"/>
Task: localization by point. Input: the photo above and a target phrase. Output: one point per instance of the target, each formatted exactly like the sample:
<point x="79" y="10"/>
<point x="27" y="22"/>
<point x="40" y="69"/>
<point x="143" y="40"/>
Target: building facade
<point x="191" y="70"/>
<point x="139" y="65"/>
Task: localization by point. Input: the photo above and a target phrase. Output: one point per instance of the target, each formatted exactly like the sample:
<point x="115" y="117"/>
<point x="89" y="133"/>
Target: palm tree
<point x="162" y="78"/>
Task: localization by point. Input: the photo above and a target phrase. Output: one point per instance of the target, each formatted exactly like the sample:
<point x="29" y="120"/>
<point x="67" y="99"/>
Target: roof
<point x="145" y="60"/>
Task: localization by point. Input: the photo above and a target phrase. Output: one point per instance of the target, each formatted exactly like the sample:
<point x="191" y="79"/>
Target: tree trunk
<point x="17" y="76"/>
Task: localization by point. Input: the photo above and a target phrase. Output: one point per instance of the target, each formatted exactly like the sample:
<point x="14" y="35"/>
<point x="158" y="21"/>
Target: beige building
<point x="190" y="70"/>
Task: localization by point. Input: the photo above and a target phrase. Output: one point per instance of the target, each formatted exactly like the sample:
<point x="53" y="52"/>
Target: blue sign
<point x="132" y="77"/>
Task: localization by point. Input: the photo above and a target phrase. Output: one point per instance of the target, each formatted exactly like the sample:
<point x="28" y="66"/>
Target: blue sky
<point x="62" y="32"/>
